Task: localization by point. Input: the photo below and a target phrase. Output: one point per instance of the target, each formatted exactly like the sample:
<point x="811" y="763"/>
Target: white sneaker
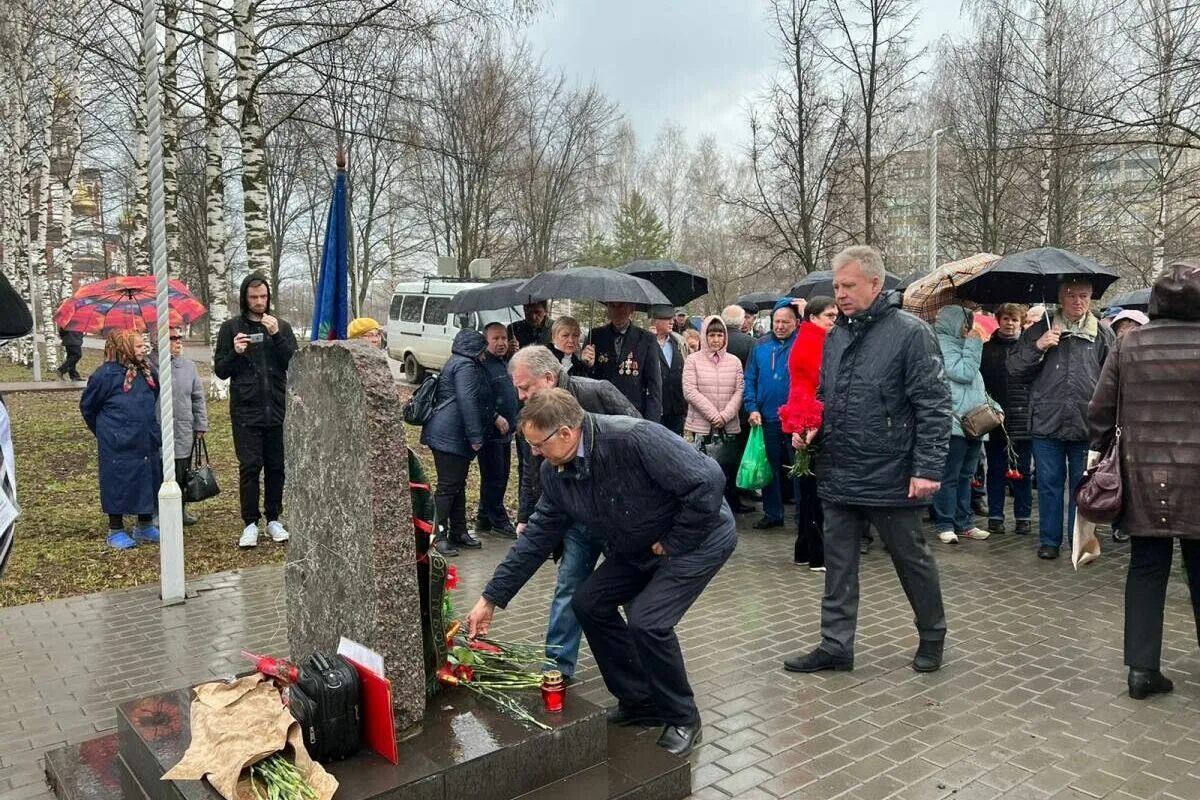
<point x="277" y="532"/>
<point x="979" y="534"/>
<point x="249" y="536"/>
<point x="948" y="537"/>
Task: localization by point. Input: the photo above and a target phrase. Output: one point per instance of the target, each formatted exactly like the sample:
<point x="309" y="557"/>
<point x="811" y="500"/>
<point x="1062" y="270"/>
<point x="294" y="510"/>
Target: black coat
<point x="578" y="366"/>
<point x="887" y="408"/>
<point x="673" y="404"/>
<point x="637" y="484"/>
<point x="738" y="344"/>
<point x="464" y="407"/>
<point x="1010" y="393"/>
<point x="70" y="338"/>
<point x="526" y="335"/>
<point x="634" y="370"/>
<point x="596" y="397"/>
<point x="1061" y="381"/>
<point x="257" y="377"/>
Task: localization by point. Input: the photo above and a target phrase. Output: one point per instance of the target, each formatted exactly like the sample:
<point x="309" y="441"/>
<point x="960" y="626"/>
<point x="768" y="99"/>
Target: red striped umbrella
<point x="126" y="302"/>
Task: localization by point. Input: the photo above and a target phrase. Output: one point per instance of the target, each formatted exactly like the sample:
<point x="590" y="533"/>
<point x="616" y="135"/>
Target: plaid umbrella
<point x="926" y="296"/>
<point x="126" y="302"/>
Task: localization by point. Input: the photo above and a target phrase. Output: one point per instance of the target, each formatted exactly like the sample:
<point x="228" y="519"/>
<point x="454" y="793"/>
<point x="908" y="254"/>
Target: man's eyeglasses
<point x="176" y="338"/>
<point x="542" y="443"/>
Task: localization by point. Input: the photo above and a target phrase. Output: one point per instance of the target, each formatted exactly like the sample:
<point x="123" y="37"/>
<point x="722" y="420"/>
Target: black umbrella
<point x="592" y="283"/>
<point x="15" y="319"/>
<point x="495" y="295"/>
<point x="679" y="282"/>
<point x="816" y="284"/>
<point x="759" y="301"/>
<point x="1137" y="300"/>
<point x="1033" y="276"/>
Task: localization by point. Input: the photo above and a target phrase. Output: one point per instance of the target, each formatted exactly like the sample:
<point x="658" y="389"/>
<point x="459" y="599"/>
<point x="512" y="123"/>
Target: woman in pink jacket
<point x="712" y="385"/>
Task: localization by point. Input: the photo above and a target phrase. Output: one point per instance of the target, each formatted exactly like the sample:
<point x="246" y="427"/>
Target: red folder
<point x="379" y="723"/>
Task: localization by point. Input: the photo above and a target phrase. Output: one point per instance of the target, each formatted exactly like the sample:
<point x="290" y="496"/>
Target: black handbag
<point x="720" y="447"/>
<point x="199" y="482"/>
<point x="325" y="701"/>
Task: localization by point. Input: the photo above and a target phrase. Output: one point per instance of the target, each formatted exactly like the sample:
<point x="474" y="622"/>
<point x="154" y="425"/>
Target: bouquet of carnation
<point x="802" y="417"/>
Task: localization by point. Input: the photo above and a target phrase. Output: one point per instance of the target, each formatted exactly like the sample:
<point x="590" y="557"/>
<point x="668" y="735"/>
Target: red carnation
<point x="452" y="577"/>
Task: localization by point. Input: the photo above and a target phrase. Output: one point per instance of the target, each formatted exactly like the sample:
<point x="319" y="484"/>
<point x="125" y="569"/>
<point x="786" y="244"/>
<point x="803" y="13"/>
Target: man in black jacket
<point x="880" y="453"/>
<point x="628" y="358"/>
<point x="534" y="329"/>
<point x="666" y="534"/>
<point x="670" y="365"/>
<point x="536" y="370"/>
<point x="253" y="352"/>
<point x="72" y="342"/>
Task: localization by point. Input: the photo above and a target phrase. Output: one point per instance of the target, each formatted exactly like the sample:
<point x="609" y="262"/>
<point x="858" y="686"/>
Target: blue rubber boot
<point x="120" y="540"/>
<point x="149" y="533"/>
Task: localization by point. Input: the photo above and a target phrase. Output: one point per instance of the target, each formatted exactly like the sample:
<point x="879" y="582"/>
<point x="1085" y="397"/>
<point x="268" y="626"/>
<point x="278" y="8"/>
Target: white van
<point x="420" y="327"/>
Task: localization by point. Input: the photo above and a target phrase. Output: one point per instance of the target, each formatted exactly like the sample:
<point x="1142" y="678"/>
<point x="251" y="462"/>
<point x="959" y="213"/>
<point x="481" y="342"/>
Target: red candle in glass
<point x="554" y="690"/>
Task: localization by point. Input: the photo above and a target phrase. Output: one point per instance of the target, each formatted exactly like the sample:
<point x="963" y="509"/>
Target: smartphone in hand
<point x="256" y="338"/>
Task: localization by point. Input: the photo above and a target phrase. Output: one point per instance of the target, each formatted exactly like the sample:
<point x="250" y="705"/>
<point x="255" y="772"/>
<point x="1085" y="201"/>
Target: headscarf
<point x="121" y="347"/>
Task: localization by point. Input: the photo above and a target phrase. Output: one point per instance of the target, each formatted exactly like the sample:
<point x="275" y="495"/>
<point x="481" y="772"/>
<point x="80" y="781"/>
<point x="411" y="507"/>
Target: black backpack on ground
<point x="325" y="701"/>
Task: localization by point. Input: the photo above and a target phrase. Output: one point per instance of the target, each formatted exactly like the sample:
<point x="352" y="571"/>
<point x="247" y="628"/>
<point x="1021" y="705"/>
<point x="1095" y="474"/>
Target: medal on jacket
<point x="602" y="358"/>
<point x="629" y="366"/>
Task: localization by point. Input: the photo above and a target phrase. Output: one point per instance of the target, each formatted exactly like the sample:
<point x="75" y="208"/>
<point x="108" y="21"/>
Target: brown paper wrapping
<point x="238" y="724"/>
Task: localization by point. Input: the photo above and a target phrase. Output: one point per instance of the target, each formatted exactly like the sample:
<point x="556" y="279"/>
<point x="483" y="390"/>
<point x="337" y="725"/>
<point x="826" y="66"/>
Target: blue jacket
<point x="961" y="357"/>
<point x="504" y="395"/>
<point x="129" y="439"/>
<point x="463" y="406"/>
<point x="767" y="377"/>
<point x="638" y="483"/>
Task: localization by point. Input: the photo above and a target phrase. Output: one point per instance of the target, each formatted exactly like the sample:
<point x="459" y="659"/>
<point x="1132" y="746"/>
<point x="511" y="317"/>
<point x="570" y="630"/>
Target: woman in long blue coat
<point x="119" y="407"/>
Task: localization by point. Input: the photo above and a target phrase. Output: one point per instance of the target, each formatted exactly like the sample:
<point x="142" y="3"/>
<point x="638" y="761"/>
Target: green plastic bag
<point x="755" y="470"/>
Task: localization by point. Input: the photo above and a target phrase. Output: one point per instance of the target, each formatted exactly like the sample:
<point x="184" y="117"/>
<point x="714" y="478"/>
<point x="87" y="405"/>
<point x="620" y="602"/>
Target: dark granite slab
<point x="466" y="749"/>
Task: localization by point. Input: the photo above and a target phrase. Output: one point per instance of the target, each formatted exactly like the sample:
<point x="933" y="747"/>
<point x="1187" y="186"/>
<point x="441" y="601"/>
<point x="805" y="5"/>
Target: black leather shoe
<point x="505" y="531"/>
<point x="445" y="547"/>
<point x="190" y="519"/>
<point x="864" y="546"/>
<point x="465" y="539"/>
<point x="1047" y="551"/>
<point x="1024" y="526"/>
<point x="818" y="661"/>
<point x="680" y="739"/>
<point x="1145" y="682"/>
<point x="482" y="525"/>
<point x="766" y="523"/>
<point x="742" y="508"/>
<point x="929" y="656"/>
<point x="645" y="715"/>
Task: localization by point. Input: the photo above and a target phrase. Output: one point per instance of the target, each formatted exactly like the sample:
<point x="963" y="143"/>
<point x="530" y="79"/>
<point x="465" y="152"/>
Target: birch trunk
<point x="171" y="134"/>
<point x="214" y="192"/>
<point x="141" y="199"/>
<point x="1048" y="116"/>
<point x="254" y="163"/>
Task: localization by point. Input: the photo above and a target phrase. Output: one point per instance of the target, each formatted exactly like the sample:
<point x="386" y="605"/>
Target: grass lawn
<point x="60" y="549"/>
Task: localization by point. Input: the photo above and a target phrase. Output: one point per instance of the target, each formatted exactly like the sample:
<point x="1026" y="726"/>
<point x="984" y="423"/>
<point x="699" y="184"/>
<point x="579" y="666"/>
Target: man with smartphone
<point x="253" y="352"/>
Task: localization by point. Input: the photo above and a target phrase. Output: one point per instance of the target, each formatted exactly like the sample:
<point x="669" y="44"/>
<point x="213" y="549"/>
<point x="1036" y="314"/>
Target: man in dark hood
<point x="253" y="352"/>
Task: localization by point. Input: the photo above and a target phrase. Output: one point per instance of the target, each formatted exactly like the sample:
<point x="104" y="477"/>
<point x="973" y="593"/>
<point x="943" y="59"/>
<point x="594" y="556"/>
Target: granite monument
<point x="350" y="567"/>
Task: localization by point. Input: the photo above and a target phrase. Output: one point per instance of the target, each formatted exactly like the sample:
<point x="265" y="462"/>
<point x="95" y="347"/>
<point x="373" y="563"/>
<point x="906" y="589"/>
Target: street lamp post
<point x="172" y="587"/>
<point x="933" y="197"/>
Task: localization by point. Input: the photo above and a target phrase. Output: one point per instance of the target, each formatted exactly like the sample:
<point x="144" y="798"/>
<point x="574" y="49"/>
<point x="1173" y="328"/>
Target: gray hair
<point x="733" y="316"/>
<point x="869" y="260"/>
<point x="537" y="359"/>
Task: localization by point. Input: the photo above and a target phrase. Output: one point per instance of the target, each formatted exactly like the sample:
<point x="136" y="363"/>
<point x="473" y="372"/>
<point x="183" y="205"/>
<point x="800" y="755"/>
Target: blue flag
<point x="331" y="309"/>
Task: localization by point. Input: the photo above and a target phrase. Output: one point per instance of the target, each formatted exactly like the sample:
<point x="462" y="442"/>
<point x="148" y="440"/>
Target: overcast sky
<point x="689" y="61"/>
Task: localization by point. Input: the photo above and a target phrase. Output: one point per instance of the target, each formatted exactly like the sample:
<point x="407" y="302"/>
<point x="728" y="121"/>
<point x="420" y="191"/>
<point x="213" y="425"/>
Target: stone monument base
<point x="466" y="750"/>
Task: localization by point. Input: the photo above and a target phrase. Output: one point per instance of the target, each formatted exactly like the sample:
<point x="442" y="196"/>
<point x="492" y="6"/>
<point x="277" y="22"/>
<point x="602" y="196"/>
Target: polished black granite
<point x="466" y="748"/>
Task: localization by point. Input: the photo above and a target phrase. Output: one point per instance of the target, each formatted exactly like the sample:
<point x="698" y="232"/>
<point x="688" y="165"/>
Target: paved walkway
<point x="1031" y="704"/>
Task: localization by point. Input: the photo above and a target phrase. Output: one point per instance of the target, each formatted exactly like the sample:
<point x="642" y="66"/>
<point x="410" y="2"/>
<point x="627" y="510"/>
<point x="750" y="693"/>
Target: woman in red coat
<point x="802" y="413"/>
